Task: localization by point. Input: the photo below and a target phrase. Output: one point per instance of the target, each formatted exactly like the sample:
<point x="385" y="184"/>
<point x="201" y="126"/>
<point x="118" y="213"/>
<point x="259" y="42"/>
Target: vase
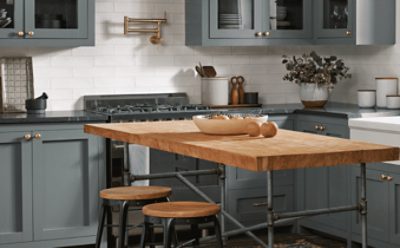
<point x="313" y="95"/>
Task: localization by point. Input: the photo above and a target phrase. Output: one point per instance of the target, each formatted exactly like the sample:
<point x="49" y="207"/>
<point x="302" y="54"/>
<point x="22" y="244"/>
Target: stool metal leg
<point x="101" y="225"/>
<point x="123" y="212"/>
<point x="145" y="234"/>
<point x="270" y="215"/>
<point x="218" y="235"/>
<point x="168" y="224"/>
<point x="196" y="233"/>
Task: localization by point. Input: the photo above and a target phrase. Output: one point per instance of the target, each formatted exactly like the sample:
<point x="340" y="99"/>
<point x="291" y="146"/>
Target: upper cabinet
<point x="61" y="23"/>
<point x="269" y="22"/>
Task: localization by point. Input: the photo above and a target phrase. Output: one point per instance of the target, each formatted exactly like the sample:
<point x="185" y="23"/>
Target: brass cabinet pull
<point x="258" y="34"/>
<point x="348" y="33"/>
<point x="386" y="178"/>
<point x="316" y="127"/>
<point x="260" y="204"/>
<point x="266" y="33"/>
<point x="37" y="136"/>
<point x="21" y="34"/>
<point x="28" y="137"/>
<point x="31" y="34"/>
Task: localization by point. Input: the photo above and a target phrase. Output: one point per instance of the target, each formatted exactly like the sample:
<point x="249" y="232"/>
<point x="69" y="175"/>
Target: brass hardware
<point x="258" y="34"/>
<point x="267" y="33"/>
<point x="28" y="137"/>
<point x="348" y="33"/>
<point x="389" y="178"/>
<point x="21" y="34"/>
<point x="260" y="204"/>
<point x="31" y="34"/>
<point x="155" y="29"/>
<point x="37" y="136"/>
<point x="386" y="177"/>
<point x="322" y="128"/>
<point x="316" y="127"/>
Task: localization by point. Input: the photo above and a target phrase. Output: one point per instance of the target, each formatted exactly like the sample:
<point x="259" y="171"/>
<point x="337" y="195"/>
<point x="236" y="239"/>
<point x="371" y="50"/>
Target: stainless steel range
<point x="149" y="107"/>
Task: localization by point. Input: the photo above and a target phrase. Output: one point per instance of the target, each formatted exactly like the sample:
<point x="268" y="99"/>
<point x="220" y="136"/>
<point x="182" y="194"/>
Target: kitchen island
<point x="288" y="150"/>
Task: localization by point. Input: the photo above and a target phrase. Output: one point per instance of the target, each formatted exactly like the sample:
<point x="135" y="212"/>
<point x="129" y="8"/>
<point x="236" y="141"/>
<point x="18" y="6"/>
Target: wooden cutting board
<point x="287" y="150"/>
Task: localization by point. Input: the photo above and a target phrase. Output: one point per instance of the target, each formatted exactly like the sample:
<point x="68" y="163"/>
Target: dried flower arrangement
<point x="312" y="68"/>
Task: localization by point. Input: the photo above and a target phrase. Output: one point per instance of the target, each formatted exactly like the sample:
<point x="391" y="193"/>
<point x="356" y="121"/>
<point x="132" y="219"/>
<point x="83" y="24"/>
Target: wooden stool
<point x="136" y="196"/>
<point x="171" y="213"/>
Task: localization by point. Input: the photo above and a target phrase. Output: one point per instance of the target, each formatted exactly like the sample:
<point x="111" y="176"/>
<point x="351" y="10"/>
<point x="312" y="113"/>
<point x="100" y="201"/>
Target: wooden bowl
<point x="229" y="126"/>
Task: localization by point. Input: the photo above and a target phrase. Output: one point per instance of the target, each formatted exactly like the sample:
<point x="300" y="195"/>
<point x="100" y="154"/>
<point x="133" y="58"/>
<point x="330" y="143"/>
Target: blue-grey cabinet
<point x="247" y="22"/>
<point x="47" y="23"/>
<point x="246" y="191"/>
<point x="50" y="179"/>
<point x="383" y="184"/>
<point x="324" y="187"/>
<point x="277" y="22"/>
<point x="15" y="187"/>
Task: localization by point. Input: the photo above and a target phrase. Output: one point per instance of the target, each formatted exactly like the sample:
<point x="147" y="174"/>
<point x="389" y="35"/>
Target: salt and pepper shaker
<point x="237" y="90"/>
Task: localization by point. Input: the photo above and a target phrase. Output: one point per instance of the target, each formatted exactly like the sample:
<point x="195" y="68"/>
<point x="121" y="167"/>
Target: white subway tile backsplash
<point x="130" y="64"/>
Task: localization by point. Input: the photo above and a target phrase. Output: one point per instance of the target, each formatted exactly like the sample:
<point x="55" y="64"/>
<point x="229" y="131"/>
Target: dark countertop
<point x="51" y="117"/>
<point x="332" y="109"/>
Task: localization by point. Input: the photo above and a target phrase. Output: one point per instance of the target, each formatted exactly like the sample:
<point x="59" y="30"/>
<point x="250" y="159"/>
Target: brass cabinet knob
<point x="386" y="178"/>
<point x="37" y="136"/>
<point x="348" y="33"/>
<point x="266" y="33"/>
<point x="31" y="34"/>
<point x="316" y="127"/>
<point x="28" y="137"/>
<point x="21" y="34"/>
<point x="258" y="34"/>
<point x="322" y="128"/>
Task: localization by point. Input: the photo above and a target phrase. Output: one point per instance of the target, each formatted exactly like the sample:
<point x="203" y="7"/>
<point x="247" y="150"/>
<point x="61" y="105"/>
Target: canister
<point x="215" y="91"/>
<point x="385" y="86"/>
<point x="366" y="98"/>
<point x="393" y="101"/>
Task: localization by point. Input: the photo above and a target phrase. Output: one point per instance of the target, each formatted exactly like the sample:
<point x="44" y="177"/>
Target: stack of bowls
<point x="281" y="13"/>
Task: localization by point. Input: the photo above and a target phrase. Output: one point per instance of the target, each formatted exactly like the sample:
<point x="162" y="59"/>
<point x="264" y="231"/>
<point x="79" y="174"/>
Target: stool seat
<point x="181" y="209"/>
<point x="135" y="193"/>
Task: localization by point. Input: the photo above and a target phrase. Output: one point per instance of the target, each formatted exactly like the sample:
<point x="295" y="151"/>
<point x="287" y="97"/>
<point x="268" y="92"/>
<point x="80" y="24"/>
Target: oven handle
<point x="117" y="147"/>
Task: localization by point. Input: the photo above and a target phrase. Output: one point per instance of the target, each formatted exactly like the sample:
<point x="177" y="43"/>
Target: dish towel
<point x="139" y="162"/>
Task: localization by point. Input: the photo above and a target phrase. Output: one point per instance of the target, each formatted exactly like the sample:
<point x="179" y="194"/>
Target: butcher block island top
<point x="287" y="150"/>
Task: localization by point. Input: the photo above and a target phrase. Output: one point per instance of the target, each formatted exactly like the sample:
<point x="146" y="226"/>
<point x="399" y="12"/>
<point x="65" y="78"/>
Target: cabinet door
<point x="15" y="188"/>
<point x="56" y="19"/>
<point x="235" y="18"/>
<point x="378" y="209"/>
<point x="394" y="208"/>
<point x="65" y="184"/>
<point x="288" y="18"/>
<point x="11" y="18"/>
<point x="334" y="18"/>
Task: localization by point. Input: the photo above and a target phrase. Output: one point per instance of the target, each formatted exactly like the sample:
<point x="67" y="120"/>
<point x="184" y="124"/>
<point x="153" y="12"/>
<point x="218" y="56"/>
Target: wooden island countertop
<point x="287" y="150"/>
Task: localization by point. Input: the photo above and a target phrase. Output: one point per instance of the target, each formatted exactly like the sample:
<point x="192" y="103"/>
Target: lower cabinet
<point x="324" y="187"/>
<point x="383" y="195"/>
<point x="247" y="191"/>
<point x="50" y="176"/>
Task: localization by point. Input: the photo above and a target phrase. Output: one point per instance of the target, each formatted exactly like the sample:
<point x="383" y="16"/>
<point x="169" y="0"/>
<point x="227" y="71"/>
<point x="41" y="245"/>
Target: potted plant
<point x="315" y="75"/>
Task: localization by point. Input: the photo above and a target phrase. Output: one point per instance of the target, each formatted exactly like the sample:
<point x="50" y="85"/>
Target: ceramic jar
<point x="313" y="95"/>
<point x="393" y="101"/>
<point x="215" y="91"/>
<point x="366" y="98"/>
<point x="385" y="86"/>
